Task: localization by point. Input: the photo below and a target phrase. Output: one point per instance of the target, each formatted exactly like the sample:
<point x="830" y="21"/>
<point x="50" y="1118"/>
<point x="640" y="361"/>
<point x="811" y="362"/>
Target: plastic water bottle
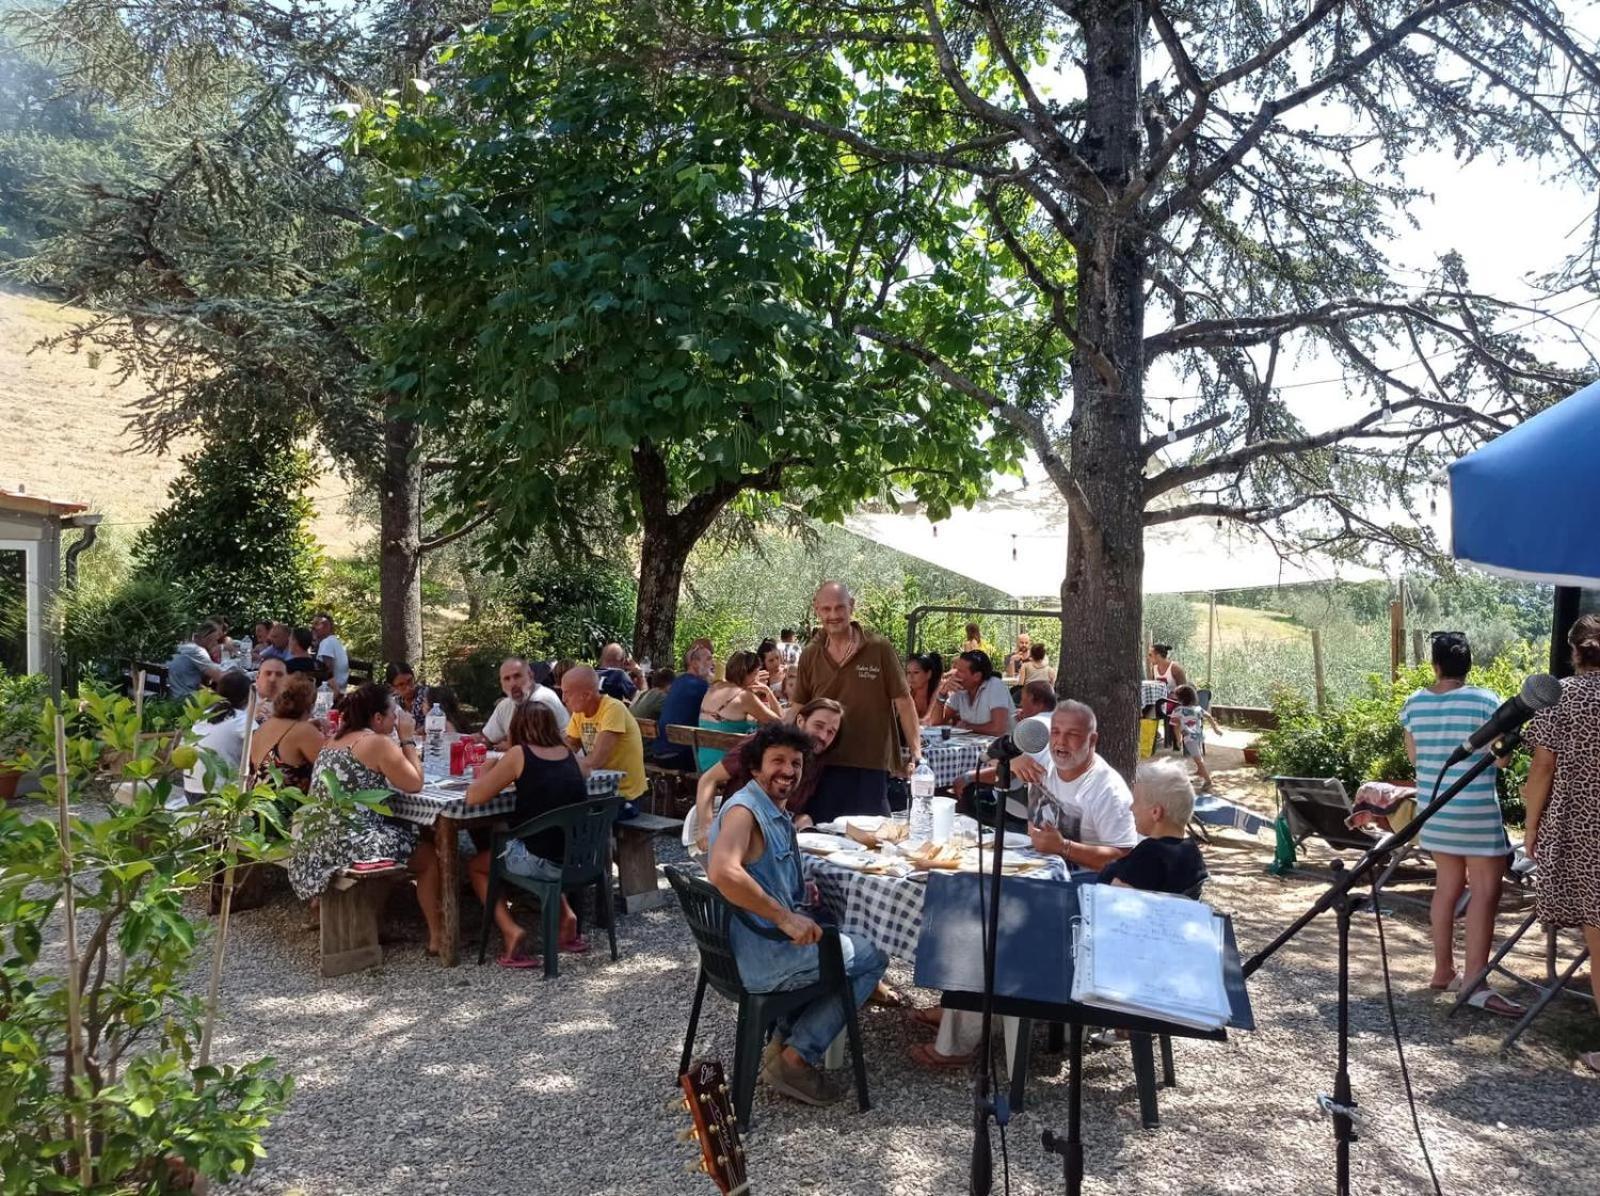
<point x="923" y="783"/>
<point x="435" y="726"/>
<point x="324" y="702"/>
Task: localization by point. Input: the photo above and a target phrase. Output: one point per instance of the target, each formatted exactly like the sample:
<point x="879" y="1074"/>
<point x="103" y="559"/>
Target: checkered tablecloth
<point x="887" y="910"/>
<point x="1151" y="692"/>
<point x="425" y="807"/>
<point x="1214" y="811"/>
<point x="950" y="758"/>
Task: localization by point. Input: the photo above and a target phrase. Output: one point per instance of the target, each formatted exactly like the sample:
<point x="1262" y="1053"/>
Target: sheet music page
<point x="1150" y="951"/>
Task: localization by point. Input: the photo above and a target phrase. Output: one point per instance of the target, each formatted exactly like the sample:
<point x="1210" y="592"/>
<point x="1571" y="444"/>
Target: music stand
<point x="1033" y="976"/>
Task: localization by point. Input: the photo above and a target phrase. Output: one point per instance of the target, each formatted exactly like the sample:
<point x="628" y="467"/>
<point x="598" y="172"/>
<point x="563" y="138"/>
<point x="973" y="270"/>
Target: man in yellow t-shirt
<point x="604" y="730"/>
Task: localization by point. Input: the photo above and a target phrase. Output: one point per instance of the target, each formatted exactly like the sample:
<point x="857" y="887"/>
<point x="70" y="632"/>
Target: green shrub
<point x="349" y="590"/>
<point x="21" y="699"/>
<point x="106" y="623"/>
<point x="466" y="656"/>
<point x="1360" y="739"/>
<point x="235" y="537"/>
<point x="581" y="607"/>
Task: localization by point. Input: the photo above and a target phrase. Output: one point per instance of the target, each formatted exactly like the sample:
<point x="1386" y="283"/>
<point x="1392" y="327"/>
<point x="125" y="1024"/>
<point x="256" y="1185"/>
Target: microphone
<point x="1030" y="736"/>
<point x="1538" y="691"/>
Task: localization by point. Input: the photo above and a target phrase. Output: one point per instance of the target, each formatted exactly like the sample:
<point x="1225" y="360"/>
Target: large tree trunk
<point x="669" y="537"/>
<point x="400" y="563"/>
<point x="1102" y="593"/>
<point x="663" y="554"/>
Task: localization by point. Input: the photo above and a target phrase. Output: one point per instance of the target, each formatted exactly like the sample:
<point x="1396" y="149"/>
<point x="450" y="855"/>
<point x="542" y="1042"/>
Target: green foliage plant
<point x="1359" y="738"/>
<point x="106" y="1081"/>
<point x="20" y="700"/>
<point x="108" y="623"/>
<point x="234" y="537"/>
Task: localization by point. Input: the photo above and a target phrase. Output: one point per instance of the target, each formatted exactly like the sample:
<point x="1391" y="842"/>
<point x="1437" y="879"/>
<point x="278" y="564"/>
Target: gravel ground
<point x="413" y="1079"/>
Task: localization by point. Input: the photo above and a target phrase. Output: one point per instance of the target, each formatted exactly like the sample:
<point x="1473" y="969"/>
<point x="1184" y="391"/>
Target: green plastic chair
<point x="709" y="914"/>
<point x="585" y="862"/>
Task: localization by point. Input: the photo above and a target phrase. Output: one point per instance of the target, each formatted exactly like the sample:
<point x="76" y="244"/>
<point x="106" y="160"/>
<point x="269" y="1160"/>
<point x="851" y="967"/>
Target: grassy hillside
<point x="1235" y="623"/>
<point x="65" y="437"/>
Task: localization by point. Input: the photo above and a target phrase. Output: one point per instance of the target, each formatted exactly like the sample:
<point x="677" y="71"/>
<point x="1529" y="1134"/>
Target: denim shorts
<point x="520" y="861"/>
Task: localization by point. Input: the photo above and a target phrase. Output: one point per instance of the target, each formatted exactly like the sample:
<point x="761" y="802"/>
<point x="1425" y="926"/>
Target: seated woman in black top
<point x="1166" y="860"/>
<point x="547" y="777"/>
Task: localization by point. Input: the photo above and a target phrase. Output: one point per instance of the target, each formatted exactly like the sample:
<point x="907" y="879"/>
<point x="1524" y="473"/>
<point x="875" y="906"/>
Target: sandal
<point x="1490" y="1001"/>
<point x="576" y="945"/>
<point x="925" y="1055"/>
<point x="519" y="962"/>
<point x="931" y="1017"/>
<point x="1591" y="1060"/>
<point x="1452" y="985"/>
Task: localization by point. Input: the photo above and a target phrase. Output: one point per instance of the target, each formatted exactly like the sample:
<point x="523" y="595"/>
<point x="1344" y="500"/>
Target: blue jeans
<point x="814" y="1027"/>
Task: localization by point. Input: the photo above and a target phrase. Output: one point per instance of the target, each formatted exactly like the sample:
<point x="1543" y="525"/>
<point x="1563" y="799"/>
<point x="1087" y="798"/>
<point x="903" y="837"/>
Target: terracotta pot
<point x="1252" y="755"/>
<point x="9" y="780"/>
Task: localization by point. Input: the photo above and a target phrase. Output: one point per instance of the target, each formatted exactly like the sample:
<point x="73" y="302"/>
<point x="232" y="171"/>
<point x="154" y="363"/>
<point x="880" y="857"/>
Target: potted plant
<point x="21" y="702"/>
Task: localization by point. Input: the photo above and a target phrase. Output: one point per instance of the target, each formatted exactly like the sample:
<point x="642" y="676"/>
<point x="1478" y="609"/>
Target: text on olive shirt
<point x="866" y="685"/>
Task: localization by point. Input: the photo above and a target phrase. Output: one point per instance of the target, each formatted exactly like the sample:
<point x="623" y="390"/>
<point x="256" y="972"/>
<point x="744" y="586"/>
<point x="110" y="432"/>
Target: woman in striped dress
<point x="1466" y="837"/>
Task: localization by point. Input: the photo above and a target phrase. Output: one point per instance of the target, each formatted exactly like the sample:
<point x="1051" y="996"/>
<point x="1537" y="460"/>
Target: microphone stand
<point x="1340" y="898"/>
<point x="987" y="1100"/>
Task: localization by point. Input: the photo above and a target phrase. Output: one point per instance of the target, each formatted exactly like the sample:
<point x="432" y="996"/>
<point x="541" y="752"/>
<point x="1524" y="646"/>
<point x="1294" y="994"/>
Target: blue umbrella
<point x="1525" y="504"/>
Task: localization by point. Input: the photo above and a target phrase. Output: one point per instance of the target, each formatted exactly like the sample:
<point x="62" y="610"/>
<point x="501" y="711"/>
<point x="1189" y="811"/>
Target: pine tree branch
<point x="1030" y="425"/>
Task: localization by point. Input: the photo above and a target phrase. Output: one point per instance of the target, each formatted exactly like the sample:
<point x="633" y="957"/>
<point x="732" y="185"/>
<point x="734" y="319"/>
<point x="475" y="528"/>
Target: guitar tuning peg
<point x="698" y="1167"/>
<point x="688" y="1134"/>
<point x="676" y="1104"/>
<point x="722" y="1088"/>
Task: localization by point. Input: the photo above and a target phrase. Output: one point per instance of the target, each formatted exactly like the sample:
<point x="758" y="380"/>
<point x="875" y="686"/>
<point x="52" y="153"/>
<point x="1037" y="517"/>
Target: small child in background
<point x="1188" y="727"/>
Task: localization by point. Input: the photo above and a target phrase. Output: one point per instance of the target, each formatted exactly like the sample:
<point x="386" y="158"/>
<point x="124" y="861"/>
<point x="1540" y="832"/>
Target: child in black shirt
<point x="1166" y="860"/>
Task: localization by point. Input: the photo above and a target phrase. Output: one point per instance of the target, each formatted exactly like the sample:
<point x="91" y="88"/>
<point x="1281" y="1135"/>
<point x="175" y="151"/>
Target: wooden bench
<point x="671" y="789"/>
<point x="636" y="859"/>
<point x="361" y="672"/>
<point x="352" y="907"/>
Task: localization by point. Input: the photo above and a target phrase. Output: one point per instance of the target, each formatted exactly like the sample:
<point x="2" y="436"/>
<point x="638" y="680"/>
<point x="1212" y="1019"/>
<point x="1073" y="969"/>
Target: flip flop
<point x="1591" y="1060"/>
<point x="1453" y="985"/>
<point x="925" y="1055"/>
<point x="575" y="946"/>
<point x="1490" y="1001"/>
<point x="929" y="1017"/>
<point x="519" y="962"/>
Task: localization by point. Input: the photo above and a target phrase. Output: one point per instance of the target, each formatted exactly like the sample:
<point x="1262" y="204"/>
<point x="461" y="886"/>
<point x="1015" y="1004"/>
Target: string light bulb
<point x="1013" y="545"/>
<point x="1172" y="430"/>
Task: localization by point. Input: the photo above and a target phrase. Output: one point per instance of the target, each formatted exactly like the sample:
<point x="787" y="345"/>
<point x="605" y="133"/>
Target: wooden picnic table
<point x="442" y="804"/>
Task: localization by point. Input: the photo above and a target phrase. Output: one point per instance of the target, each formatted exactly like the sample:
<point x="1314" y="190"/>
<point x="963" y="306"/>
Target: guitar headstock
<point x="716" y="1129"/>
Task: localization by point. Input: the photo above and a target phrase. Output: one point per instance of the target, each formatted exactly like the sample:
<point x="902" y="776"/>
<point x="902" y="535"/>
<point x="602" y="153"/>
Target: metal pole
<point x="1316" y="664"/>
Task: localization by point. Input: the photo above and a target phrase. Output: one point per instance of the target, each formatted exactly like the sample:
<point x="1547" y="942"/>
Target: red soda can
<point x="458" y="757"/>
<point x="334" y="719"/>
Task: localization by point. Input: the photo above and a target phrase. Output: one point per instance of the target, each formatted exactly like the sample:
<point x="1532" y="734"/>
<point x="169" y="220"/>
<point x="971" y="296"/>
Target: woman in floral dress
<point x="1562" y="794"/>
<point x="365" y="756"/>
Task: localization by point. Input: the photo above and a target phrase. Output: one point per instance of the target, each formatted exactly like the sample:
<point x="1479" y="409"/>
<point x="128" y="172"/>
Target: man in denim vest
<point x="755" y="864"/>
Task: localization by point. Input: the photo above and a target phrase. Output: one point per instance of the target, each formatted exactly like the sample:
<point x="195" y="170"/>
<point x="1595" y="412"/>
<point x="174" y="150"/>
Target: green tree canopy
<point x="620" y="284"/>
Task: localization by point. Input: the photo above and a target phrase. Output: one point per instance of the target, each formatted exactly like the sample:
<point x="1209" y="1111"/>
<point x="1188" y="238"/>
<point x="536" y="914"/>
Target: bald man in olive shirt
<point x="862" y="672"/>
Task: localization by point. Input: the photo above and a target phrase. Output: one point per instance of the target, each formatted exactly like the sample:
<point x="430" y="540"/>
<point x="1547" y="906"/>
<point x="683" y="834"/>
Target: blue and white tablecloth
<point x="950" y="758"/>
<point x="447" y="796"/>
<point x="1214" y="811"/>
<point x="887" y="910"/>
<point x="1151" y="692"/>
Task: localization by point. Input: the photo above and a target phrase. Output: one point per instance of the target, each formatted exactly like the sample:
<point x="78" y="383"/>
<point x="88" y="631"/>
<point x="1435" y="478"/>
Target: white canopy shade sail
<point x="1016" y="542"/>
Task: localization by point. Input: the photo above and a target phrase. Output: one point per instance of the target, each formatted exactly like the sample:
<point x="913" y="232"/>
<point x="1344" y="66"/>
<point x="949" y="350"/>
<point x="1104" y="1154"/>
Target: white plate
<point x="821" y="844"/>
<point x="856" y="860"/>
<point x="862" y="822"/>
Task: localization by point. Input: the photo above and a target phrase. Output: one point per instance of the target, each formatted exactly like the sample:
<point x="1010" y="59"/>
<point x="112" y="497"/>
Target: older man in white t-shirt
<point x="1086" y="815"/>
<point x="518" y="685"/>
